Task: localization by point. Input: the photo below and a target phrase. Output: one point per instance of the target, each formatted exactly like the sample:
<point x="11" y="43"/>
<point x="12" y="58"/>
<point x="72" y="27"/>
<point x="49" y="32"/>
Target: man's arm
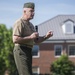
<point x="18" y="39"/>
<point x="43" y="38"/>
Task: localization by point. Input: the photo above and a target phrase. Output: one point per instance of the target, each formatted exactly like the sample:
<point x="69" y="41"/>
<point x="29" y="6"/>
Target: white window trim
<point x="68" y="51"/>
<point x="37" y="55"/>
<point x="38" y="70"/>
<point x="55" y="50"/>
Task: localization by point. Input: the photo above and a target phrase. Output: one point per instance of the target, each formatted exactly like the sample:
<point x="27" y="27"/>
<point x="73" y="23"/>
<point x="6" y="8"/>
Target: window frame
<point x="38" y="54"/>
<point x="65" y="27"/>
<point x="38" y="70"/>
<point x="55" y="50"/>
<point x="71" y="26"/>
<point x="69" y="49"/>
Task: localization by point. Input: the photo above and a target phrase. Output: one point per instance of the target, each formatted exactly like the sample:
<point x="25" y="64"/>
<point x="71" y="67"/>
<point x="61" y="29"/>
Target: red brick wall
<point x="47" y="56"/>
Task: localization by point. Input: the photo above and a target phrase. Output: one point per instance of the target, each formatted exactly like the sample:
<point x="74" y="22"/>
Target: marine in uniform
<point x="24" y="37"/>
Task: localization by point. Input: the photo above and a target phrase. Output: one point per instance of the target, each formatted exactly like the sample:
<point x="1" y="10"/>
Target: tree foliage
<point x="62" y="66"/>
<point x="6" y="50"/>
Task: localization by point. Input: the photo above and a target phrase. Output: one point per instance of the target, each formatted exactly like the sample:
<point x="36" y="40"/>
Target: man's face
<point x="29" y="13"/>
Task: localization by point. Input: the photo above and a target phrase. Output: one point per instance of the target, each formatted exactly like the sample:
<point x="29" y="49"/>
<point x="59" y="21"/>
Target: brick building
<point x="62" y="42"/>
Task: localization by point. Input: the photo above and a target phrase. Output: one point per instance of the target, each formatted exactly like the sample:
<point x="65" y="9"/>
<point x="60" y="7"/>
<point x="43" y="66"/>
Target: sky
<point x="11" y="10"/>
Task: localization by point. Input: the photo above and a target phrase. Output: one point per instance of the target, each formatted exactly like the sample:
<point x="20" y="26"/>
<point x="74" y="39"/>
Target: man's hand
<point x="49" y="34"/>
<point x="34" y="35"/>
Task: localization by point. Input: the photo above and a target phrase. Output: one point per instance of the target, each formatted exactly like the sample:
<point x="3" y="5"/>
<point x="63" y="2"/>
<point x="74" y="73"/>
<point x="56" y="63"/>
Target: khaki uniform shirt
<point x="22" y="28"/>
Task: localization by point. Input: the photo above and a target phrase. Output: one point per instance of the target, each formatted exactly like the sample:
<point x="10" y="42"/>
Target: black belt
<point x="29" y="46"/>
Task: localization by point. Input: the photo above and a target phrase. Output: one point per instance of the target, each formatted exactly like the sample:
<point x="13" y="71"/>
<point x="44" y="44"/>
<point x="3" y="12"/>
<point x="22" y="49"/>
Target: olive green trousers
<point x="23" y="59"/>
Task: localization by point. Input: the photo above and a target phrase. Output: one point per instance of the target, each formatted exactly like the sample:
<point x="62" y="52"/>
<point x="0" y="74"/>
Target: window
<point x="68" y="27"/>
<point x="35" y="70"/>
<point x="71" y="50"/>
<point x="35" y="51"/>
<point x="74" y="29"/>
<point x="58" y="50"/>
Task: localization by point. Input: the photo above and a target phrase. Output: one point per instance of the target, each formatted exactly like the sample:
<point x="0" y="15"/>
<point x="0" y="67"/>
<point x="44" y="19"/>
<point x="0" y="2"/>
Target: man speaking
<point x="24" y="37"/>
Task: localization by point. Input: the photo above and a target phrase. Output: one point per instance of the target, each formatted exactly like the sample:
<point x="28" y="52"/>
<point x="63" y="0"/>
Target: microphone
<point x="36" y="28"/>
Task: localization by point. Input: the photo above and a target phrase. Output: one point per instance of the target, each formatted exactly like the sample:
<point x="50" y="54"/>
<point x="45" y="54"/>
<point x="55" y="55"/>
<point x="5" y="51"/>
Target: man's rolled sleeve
<point x="17" y="29"/>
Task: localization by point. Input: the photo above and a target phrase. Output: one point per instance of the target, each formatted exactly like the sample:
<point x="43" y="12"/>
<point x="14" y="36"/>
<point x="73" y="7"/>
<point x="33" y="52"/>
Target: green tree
<point x="6" y="50"/>
<point x="62" y="66"/>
